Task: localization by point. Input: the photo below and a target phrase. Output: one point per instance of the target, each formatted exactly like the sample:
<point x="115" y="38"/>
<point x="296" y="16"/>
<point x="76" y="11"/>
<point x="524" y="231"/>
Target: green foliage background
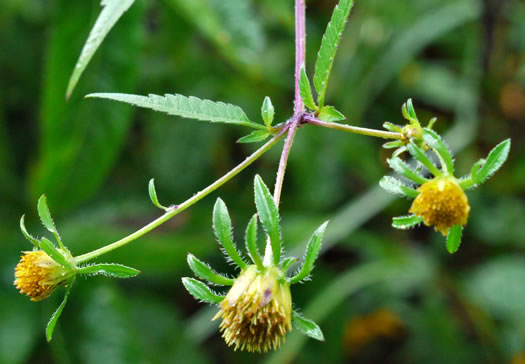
<point x="461" y="60"/>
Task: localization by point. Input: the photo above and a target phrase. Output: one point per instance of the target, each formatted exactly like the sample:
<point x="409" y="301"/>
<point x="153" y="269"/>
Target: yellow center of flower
<point x="442" y="204"/>
<point x="256" y="313"/>
<point x="37" y="275"/>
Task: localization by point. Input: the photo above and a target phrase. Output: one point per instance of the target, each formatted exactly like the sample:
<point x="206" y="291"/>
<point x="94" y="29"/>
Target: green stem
<point x="353" y="129"/>
<point x="183" y="206"/>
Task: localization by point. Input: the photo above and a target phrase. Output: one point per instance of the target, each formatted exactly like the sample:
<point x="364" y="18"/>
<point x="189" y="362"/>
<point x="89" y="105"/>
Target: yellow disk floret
<point x="441" y="203"/>
<point x="37" y="275"/>
<point x="257" y="311"/>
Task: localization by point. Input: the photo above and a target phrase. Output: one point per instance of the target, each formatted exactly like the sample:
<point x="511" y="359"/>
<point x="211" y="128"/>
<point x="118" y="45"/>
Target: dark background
<point x="380" y="295"/>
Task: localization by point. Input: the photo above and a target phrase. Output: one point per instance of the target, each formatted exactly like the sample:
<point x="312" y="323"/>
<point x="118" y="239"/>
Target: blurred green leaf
<point x="109" y="270"/>
<point x="406" y="222"/>
<point x="454" y="238"/>
<point x="307" y="327"/>
<point x="267" y="111"/>
<point x="305" y="90"/>
<point x="269" y="216"/>
<point x="418" y="154"/>
<point x="254" y="137"/>
<point x="396" y="187"/>
<point x="200" y="291"/>
<point x="153" y="194"/>
<point x="110" y="14"/>
<point x="310" y="256"/>
<point x="496" y="158"/>
<point x="403" y="169"/>
<point x="222" y="226"/>
<point x="56" y="315"/>
<point x="204" y="271"/>
<point x="329" y="113"/>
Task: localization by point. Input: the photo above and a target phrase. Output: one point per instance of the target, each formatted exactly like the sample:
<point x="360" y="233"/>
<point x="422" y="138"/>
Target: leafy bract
<point x="307" y="327"/>
<point x="187" y="107"/>
<point x="201" y="291"/>
<point x="110" y="14"/>
<point x="331" y="38"/>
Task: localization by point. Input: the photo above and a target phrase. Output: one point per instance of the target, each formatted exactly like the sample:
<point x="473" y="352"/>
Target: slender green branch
<point x="353" y="129"/>
<point x="183" y="206"/>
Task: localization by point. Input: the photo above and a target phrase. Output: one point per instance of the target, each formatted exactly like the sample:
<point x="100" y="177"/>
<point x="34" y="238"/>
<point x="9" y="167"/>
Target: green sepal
<point x="50" y="249"/>
<point x="287" y="263"/>
<point x="406" y="222"/>
<point x="254" y="137"/>
<point x="454" y="238"/>
<point x="312" y="251"/>
<point x="392" y="145"/>
<point x="403" y="169"/>
<point x="204" y="271"/>
<point x="305" y="89"/>
<point x="56" y="315"/>
<point x="269" y="216"/>
<point x="222" y="226"/>
<point x="330" y="114"/>
<point x="28" y="236"/>
<point x="409" y="112"/>
<point x="496" y="158"/>
<point x="251" y="242"/>
<point x="418" y="154"/>
<point x="267" y="112"/>
<point x="109" y="270"/>
<point x="153" y="195"/>
<point x="200" y="291"/>
<point x="435" y="142"/>
<point x="392" y="127"/>
<point x="307" y="327"/>
<point x="396" y="187"/>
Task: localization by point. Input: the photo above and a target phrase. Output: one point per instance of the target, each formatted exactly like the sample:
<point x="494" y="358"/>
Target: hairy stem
<point x="183" y="206"/>
<point x="352" y="129"/>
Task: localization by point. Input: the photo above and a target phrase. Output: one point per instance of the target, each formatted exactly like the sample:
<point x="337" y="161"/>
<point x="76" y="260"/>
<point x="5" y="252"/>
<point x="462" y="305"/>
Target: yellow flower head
<point x="257" y="311"/>
<point x="442" y="203"/>
<point x="37" y="275"/>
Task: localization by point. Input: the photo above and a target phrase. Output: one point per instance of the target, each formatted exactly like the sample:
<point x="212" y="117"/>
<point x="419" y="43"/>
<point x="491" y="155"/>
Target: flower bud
<point x="442" y="203"/>
<point x="257" y="311"/>
<point x="37" y="275"/>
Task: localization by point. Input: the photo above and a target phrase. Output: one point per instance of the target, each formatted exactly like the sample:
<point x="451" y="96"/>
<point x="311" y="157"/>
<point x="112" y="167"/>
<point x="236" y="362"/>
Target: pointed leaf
<point x="391" y="145"/>
<point x="422" y="157"/>
<point x="329" y="43"/>
<point x="287" y="263"/>
<point x="222" y="226"/>
<point x="186" y="107"/>
<point x="28" y="236"/>
<point x="112" y="11"/>
<point x="56" y="315"/>
<point x="396" y="187"/>
<point x="454" y="238"/>
<point x="50" y="249"/>
<point x="411" y="110"/>
<point x="200" y="291"/>
<point x="45" y="215"/>
<point x="435" y="142"/>
<point x="267" y="111"/>
<point x="392" y="127"/>
<point x="307" y="327"/>
<point x="496" y="158"/>
<point x="306" y="90"/>
<point x="330" y="114"/>
<point x="254" y="137"/>
<point x="204" y="271"/>
<point x="153" y="195"/>
<point x="269" y="216"/>
<point x="310" y="256"/>
<point x="406" y="222"/>
<point x="403" y="169"/>
<point x="251" y="242"/>
<point x="109" y="270"/>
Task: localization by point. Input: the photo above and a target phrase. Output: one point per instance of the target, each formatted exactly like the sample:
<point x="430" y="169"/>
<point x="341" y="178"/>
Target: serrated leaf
<point x="110" y="14"/>
<point x="187" y="107"/>
<point x="222" y="226"/>
<point x="435" y="142"/>
<point x="310" y="256"/>
<point x="50" y="249"/>
<point x="28" y="236"/>
<point x="204" y="271"/>
<point x="496" y="158"/>
<point x="454" y="238"/>
<point x="153" y="195"/>
<point x="329" y="43"/>
<point x="251" y="242"/>
<point x="330" y="114"/>
<point x="403" y="169"/>
<point x="56" y="315"/>
<point x="254" y="137"/>
<point x="396" y="187"/>
<point x="418" y="154"/>
<point x="200" y="291"/>
<point x="45" y="215"/>
<point x="269" y="216"/>
<point x="267" y="112"/>
<point x="305" y="89"/>
<point x="110" y="270"/>
<point x="307" y="327"/>
<point x="406" y="222"/>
